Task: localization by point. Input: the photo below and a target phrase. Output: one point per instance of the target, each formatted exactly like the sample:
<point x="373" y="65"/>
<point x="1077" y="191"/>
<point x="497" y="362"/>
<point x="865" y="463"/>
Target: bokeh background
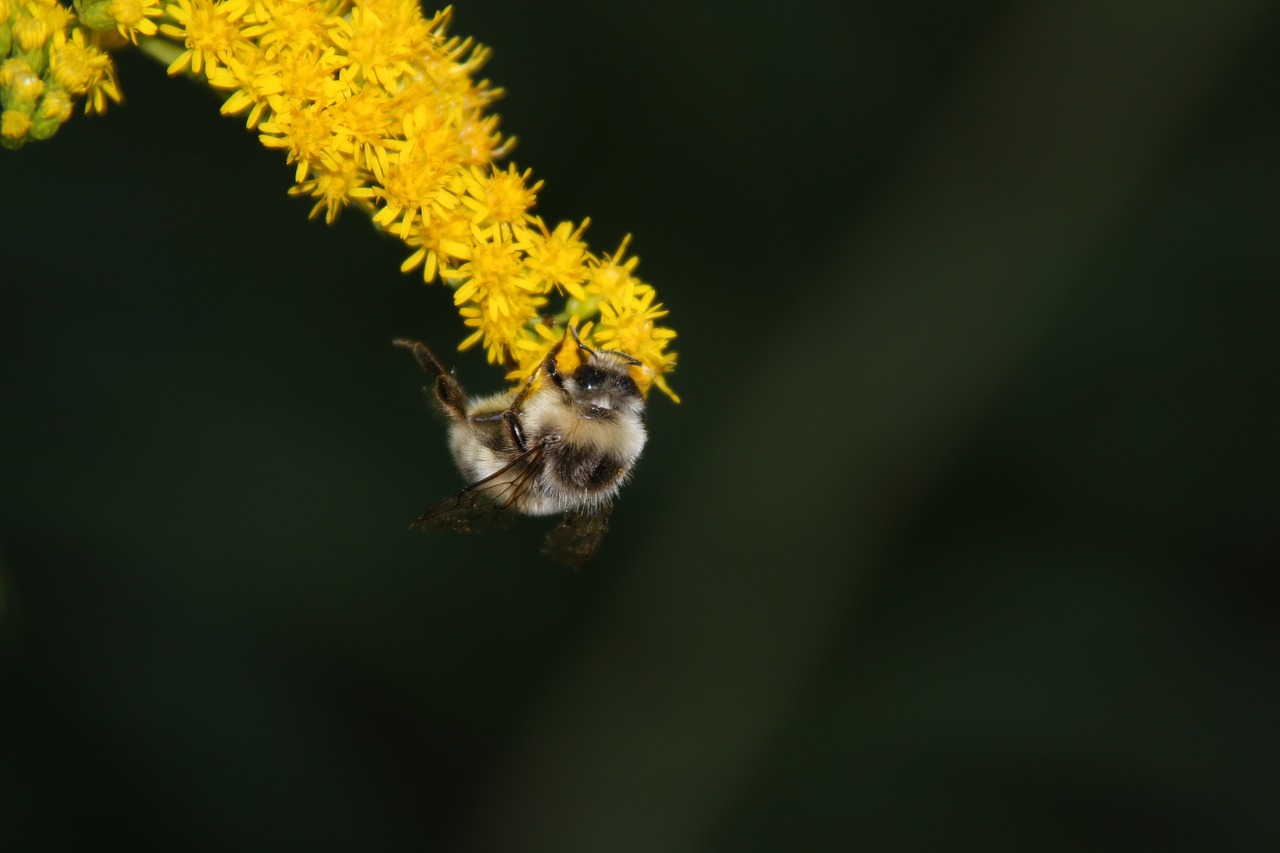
<point x="964" y="536"/>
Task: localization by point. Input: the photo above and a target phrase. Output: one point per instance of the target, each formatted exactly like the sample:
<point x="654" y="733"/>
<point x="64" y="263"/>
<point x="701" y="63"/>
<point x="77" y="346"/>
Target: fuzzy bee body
<point x="563" y="444"/>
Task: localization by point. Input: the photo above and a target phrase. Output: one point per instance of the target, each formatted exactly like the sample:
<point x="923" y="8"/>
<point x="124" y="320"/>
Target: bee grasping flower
<point x="377" y="108"/>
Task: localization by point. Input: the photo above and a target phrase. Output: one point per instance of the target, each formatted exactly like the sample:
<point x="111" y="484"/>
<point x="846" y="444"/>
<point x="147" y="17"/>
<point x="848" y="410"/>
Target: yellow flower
<point x="104" y="89"/>
<point x="55" y="16"/>
<point x="612" y="276"/>
<point x="479" y="142"/>
<point x="334" y="189"/>
<point x="500" y="200"/>
<point x="30" y="34"/>
<point x="559" y="258"/>
<point x="296" y="25"/>
<point x="443" y="238"/>
<point x="211" y="32"/>
<point x="492" y="277"/>
<point x="504" y="337"/>
<point x="380" y="45"/>
<point x="48" y="62"/>
<point x="22" y="87"/>
<point x="82" y="69"/>
<point x="626" y="323"/>
<point x="301" y="75"/>
<point x="14" y="124"/>
<point x="244" y="78"/>
<point x="74" y="65"/>
<point x="305" y="131"/>
<point x="378" y="108"/>
<point x="365" y="118"/>
<point x="422" y="175"/>
<point x="55" y="106"/>
<point x="133" y="17"/>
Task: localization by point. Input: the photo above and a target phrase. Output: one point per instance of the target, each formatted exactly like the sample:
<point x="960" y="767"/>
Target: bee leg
<point x="515" y="430"/>
<point x="511" y="417"/>
<point x="548" y="366"/>
<point x="448" y="392"/>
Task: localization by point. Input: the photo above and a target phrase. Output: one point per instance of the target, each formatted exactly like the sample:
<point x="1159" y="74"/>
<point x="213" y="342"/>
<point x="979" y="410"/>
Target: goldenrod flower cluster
<point x="51" y="56"/>
<point x="379" y="109"/>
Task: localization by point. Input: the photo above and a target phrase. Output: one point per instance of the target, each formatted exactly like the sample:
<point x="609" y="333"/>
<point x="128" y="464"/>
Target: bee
<point x="564" y="443"/>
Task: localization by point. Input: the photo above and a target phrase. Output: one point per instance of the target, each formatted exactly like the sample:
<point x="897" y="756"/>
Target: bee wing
<point x="490" y="502"/>
<point x="575" y="540"/>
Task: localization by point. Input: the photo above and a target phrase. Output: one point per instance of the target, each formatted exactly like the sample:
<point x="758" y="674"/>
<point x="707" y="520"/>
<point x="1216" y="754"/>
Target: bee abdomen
<point x="590" y="471"/>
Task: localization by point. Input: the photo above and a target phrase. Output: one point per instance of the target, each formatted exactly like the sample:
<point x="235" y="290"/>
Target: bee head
<point x="602" y="389"/>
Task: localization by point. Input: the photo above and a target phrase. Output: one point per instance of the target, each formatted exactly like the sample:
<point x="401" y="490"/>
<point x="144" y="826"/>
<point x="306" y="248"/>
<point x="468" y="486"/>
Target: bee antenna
<point x="573" y="330"/>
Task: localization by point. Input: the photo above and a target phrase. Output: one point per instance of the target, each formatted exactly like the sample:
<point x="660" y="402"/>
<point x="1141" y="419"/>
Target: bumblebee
<point x="563" y="443"/>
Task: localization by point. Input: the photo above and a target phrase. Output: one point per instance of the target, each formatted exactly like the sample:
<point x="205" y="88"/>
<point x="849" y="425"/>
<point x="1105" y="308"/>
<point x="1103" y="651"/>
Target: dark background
<point x="963" y="538"/>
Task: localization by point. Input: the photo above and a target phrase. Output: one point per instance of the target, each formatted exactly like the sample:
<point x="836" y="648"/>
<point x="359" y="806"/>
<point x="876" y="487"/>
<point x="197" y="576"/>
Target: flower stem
<point x="159" y="49"/>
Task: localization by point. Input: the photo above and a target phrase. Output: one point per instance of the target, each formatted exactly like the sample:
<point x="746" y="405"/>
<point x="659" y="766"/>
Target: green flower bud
<point x="24" y="92"/>
<point x="6" y="28"/>
<point x="30" y="34"/>
<point x="13" y="128"/>
<point x="96" y="14"/>
<point x="16" y="87"/>
<point x="51" y="113"/>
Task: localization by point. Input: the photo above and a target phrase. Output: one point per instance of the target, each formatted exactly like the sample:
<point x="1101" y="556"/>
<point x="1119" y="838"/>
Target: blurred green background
<point x="965" y="536"/>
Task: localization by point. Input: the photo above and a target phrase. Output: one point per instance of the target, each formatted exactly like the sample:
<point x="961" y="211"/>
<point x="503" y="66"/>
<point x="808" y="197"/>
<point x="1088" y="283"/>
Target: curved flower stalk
<point x="379" y="109"/>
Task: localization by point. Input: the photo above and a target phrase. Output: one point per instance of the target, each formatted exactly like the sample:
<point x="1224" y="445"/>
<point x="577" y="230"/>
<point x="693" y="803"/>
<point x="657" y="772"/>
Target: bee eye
<point x="590" y="378"/>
